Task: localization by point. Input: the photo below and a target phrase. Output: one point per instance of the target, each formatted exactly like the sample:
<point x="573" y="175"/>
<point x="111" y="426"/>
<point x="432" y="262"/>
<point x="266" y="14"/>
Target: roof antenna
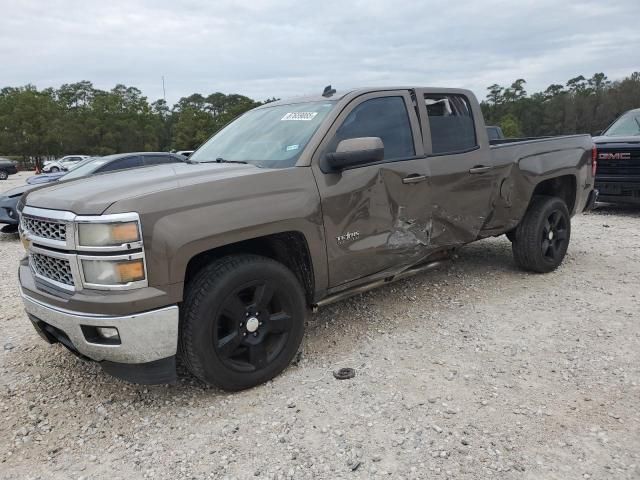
<point x="328" y="91"/>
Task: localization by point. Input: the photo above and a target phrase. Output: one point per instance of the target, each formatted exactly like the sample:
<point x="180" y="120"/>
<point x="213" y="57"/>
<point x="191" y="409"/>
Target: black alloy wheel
<point x="252" y="326"/>
<point x="555" y="238"/>
<point x="242" y="321"/>
<point x="542" y="238"/>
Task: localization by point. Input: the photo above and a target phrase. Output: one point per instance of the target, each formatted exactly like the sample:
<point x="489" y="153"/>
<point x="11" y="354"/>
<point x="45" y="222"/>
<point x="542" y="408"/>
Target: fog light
<point x="108" y="333"/>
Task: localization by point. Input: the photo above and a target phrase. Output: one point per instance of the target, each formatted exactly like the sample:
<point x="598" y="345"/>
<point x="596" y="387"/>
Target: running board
<point x="375" y="284"/>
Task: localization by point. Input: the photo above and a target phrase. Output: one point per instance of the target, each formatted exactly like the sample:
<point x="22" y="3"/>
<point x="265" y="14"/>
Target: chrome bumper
<point x="144" y="337"/>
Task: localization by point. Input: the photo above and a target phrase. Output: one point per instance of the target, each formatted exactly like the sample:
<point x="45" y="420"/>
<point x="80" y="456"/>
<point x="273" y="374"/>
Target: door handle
<point x="479" y="169"/>
<point x="414" y="179"/>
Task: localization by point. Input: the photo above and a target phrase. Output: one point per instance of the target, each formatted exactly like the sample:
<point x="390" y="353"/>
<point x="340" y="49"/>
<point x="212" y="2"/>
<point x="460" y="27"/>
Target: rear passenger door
<point x="460" y="165"/>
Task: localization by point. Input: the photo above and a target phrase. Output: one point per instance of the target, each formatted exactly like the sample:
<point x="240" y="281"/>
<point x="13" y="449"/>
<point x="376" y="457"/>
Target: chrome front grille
<point x="57" y="257"/>
<point x="50" y="230"/>
<point x="52" y="268"/>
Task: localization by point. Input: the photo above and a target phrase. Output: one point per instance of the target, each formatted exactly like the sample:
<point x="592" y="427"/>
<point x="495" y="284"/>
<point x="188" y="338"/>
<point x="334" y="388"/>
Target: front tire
<point x="3" y="175"/>
<point x="54" y="170"/>
<point x="242" y="321"/>
<point x="542" y="237"/>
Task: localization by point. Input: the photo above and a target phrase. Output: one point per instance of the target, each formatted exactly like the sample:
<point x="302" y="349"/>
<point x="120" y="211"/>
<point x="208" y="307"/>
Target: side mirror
<point x="596" y="134"/>
<point x="353" y="152"/>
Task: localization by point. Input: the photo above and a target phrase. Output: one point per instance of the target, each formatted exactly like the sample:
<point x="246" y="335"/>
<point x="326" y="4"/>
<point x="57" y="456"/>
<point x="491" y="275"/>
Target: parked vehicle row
<point x="89" y="166"/>
<point x="63" y="164"/>
<point x="294" y="205"/>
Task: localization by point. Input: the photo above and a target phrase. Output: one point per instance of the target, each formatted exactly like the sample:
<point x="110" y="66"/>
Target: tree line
<point x="78" y="118"/>
<point x="582" y="105"/>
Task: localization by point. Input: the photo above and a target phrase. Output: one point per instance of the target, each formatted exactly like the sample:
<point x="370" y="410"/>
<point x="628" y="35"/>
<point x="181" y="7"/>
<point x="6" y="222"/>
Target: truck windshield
<point x="271" y="137"/>
<point x="627" y="125"/>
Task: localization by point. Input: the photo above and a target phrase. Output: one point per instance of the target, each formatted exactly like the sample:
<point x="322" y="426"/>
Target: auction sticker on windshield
<point x="301" y="116"/>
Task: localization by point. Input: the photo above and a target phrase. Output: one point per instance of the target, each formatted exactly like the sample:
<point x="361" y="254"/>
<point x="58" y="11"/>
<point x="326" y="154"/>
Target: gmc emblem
<point x="614" y="156"/>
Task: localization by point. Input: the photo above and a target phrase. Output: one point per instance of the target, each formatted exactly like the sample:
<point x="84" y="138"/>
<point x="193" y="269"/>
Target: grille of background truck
<point x="45" y="229"/>
<point x="56" y="269"/>
<point x="617" y="166"/>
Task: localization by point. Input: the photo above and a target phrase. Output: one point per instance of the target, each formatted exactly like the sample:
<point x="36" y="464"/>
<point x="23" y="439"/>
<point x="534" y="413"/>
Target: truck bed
<point x="525" y="167"/>
<point x="543" y="154"/>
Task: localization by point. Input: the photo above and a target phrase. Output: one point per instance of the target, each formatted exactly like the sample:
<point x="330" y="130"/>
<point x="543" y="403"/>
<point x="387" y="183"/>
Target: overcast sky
<point x="265" y="48"/>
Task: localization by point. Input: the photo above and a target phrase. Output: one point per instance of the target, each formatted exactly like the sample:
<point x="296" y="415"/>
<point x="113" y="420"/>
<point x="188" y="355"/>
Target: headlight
<point x="107" y="234"/>
<point x="113" y="272"/>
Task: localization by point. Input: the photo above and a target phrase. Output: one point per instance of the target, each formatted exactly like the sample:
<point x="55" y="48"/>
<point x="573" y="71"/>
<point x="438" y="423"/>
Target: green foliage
<point x="581" y="106"/>
<point x="197" y="117"/>
<point x="78" y="118"/>
<point x="510" y="126"/>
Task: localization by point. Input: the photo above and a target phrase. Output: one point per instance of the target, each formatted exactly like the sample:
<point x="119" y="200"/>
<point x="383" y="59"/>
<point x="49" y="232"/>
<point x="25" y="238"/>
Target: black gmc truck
<point x="618" y="174"/>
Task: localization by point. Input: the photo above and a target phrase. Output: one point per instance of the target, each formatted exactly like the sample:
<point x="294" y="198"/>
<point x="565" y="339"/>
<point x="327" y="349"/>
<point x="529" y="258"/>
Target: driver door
<point x="376" y="216"/>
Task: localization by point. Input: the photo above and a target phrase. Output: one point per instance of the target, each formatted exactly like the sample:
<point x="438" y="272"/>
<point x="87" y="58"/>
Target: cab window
<point x="451" y="123"/>
<point x="384" y="117"/>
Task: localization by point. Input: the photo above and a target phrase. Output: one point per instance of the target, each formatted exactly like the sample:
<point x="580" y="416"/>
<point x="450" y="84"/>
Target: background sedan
<point x="91" y="166"/>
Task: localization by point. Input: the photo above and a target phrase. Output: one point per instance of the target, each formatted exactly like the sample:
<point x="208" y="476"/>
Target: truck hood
<point x="93" y="195"/>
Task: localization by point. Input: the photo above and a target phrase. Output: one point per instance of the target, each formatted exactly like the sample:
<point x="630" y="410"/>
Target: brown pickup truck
<point x="294" y="205"/>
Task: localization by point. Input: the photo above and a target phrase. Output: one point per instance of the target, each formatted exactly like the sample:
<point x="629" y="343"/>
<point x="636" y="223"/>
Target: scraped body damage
<point x="461" y="201"/>
<point x="373" y="221"/>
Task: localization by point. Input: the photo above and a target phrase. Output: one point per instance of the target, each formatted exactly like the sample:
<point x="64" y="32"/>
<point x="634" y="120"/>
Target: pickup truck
<point x="294" y="205"/>
<point x="618" y="176"/>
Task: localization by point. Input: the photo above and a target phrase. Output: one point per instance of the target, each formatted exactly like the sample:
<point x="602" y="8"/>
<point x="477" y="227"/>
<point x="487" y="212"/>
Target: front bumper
<point x="618" y="191"/>
<point x="148" y="339"/>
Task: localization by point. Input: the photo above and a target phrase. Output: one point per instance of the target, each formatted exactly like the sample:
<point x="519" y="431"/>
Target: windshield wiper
<point x="222" y="160"/>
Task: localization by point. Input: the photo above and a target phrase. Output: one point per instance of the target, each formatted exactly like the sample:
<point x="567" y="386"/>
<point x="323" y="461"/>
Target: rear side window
<point x="384" y="117"/>
<point x="451" y="123"/>
<point x="122" y="164"/>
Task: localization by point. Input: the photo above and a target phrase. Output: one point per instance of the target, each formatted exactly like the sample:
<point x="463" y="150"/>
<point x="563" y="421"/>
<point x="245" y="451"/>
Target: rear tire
<point x="242" y="321"/>
<point x="3" y="175"/>
<point x="542" y="237"/>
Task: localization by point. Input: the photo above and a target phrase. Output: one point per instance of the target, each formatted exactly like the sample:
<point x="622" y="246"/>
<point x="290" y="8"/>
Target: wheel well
<point x="288" y="248"/>
<point x="563" y="187"/>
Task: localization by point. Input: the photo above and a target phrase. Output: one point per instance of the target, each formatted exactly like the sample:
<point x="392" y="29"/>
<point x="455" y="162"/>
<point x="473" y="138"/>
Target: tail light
<point x="594" y="160"/>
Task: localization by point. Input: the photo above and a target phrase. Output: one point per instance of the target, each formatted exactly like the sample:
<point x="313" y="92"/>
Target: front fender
<point x="181" y="223"/>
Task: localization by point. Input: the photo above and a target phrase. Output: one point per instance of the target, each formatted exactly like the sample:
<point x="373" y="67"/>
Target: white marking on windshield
<point x="299" y="116"/>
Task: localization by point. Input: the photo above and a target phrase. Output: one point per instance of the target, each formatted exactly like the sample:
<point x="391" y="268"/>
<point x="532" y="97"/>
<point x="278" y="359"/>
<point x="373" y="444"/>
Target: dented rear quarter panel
<point x="521" y="166"/>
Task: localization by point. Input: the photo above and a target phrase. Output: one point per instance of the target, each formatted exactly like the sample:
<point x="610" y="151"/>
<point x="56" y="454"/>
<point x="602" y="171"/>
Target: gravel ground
<point x="472" y="371"/>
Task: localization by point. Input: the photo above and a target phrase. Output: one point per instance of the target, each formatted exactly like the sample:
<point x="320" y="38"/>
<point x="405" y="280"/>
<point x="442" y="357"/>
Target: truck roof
<point x="340" y="94"/>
